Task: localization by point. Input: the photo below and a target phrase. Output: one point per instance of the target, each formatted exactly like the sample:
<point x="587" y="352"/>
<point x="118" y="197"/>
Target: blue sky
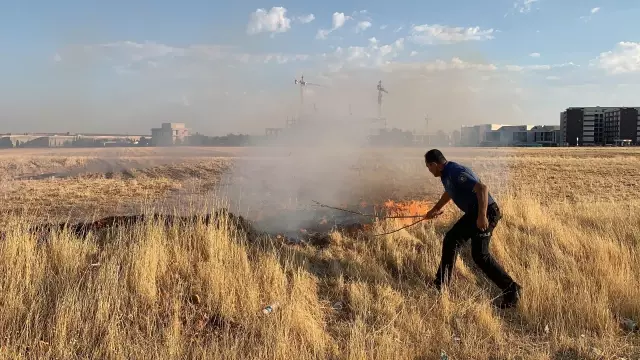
<point x="229" y="67"/>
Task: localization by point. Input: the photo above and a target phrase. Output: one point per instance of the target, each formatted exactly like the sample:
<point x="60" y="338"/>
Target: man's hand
<point x="437" y="208"/>
<point x="482" y="223"/>
<point x="432" y="214"/>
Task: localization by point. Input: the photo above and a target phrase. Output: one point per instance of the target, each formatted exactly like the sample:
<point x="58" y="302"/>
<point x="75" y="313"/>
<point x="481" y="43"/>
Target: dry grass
<point x="570" y="235"/>
<point x="87" y="184"/>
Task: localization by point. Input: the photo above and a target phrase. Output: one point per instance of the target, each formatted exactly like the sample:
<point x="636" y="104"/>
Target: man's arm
<point x="482" y="192"/>
<point x="444" y="199"/>
<point x="436" y="210"/>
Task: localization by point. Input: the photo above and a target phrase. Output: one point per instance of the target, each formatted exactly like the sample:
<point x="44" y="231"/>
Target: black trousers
<point x="465" y="229"/>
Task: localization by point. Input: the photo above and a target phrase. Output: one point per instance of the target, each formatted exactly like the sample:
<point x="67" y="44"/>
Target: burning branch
<point x="404" y="227"/>
<point x="412" y="208"/>
<point x="370" y="215"/>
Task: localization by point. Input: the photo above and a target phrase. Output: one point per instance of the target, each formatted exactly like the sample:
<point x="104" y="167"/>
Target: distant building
<point x="37" y="141"/>
<point x="455" y="138"/>
<point x="15" y="140"/>
<point x="547" y="134"/>
<point x="474" y="135"/>
<point x="510" y="135"/>
<point x="622" y="126"/>
<point x="169" y="134"/>
<point x="50" y="141"/>
<point x="598" y="126"/>
<point x="439" y="138"/>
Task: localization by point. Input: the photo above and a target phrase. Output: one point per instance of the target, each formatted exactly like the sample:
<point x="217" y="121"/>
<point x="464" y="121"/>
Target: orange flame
<point x="407" y="208"/>
<point x="389" y="208"/>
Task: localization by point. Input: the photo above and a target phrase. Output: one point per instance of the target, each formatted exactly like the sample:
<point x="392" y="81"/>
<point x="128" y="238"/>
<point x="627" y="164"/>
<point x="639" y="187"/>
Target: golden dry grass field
<point x="570" y="235"/>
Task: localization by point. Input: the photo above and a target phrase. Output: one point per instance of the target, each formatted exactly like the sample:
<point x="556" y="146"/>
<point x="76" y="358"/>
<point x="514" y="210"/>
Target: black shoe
<point x="435" y="284"/>
<point x="511" y="296"/>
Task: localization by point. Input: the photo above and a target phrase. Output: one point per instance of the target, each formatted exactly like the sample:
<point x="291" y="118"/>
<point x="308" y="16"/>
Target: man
<point x="481" y="215"/>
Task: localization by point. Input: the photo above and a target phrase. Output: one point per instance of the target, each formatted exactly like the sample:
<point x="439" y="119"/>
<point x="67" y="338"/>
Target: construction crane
<point x="426" y="123"/>
<point x="381" y="89"/>
<point x="426" y="129"/>
<point x="303" y="84"/>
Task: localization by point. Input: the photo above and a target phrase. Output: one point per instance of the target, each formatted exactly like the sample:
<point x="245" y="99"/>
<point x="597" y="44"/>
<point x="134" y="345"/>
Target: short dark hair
<point x="434" y="156"/>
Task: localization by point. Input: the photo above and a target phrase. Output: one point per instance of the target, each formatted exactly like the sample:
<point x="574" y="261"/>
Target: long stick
<point x="370" y="215"/>
<point x="396" y="230"/>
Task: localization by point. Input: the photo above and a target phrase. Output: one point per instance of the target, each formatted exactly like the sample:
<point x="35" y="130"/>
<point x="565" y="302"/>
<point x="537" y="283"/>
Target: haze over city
<point x="119" y="67"/>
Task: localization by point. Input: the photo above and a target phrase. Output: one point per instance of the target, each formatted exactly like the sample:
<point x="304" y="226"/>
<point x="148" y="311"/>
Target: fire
<point x="407" y="208"/>
<point x="318" y="223"/>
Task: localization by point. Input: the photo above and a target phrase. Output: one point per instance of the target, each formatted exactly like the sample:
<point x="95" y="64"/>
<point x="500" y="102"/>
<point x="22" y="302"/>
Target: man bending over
<point x="481" y="215"/>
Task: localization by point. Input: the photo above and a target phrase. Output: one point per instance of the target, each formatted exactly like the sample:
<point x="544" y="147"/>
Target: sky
<point x="229" y="67"/>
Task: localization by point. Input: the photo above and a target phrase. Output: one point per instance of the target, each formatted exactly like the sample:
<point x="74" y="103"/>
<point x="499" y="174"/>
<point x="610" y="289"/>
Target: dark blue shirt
<point x="458" y="181"/>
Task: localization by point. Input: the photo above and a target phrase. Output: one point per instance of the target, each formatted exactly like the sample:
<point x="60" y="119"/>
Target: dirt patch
<point x="83" y="229"/>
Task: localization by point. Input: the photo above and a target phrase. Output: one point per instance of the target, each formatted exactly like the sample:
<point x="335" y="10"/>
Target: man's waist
<point x="473" y="203"/>
<point x="492" y="208"/>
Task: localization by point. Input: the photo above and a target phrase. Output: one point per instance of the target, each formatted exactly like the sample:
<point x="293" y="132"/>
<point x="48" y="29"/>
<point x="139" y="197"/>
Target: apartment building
<point x="622" y="125"/>
<point x="597" y="126"/>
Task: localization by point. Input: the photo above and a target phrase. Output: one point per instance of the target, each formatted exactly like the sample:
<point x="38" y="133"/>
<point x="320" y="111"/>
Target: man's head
<point x="435" y="161"/>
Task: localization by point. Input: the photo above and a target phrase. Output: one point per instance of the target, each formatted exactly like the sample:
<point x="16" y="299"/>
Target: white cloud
<point x="535" y="55"/>
<point x="138" y="52"/>
<point x="362" y="26"/>
<point x="625" y="58"/>
<point x="386" y="50"/>
<point x="282" y="58"/>
<point x="57" y="58"/>
<point x="524" y="6"/>
<point x="551" y="77"/>
<point x="382" y="27"/>
<point x="519" y="68"/>
<point x="322" y="34"/>
<point x="305" y="19"/>
<point x="362" y="15"/>
<point x="337" y="20"/>
<point x="372" y="55"/>
<point x="440" y="65"/>
<point x="128" y="57"/>
<point x="274" y="21"/>
<point x="433" y="34"/>
<point x="592" y="12"/>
